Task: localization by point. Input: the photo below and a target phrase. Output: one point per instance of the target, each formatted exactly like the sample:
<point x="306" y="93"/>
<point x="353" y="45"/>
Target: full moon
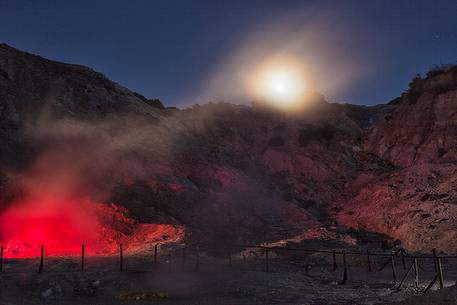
<point x="280" y="84"/>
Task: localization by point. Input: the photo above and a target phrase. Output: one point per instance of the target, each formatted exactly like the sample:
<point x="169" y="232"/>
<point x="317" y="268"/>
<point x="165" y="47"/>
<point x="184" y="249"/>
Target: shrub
<point x="320" y="133"/>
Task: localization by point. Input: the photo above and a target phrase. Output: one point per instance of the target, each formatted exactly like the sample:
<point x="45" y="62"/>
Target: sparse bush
<point x="140" y="96"/>
<point x="416" y="86"/>
<point x="156" y="103"/>
<point x="395" y="101"/>
<point x="438" y="69"/>
<point x="415" y="82"/>
<point x="319" y="133"/>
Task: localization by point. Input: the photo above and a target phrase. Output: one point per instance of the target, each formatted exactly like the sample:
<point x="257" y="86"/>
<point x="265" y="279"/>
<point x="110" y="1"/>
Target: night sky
<point x="173" y="50"/>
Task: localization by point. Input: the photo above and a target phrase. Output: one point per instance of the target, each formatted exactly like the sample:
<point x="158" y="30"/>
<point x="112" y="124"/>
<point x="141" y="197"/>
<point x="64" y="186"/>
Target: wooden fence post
<point x="40" y="268"/>
<point x="345" y="270"/>
<point x="267" y="260"/>
<point x="368" y="261"/>
<point x="431" y="283"/>
<point x="335" y="266"/>
<point x="394" y="273"/>
<point x="121" y="259"/>
<point x="405" y="276"/>
<point x="82" y="257"/>
<point x="434" y="259"/>
<point x="416" y="274"/>
<point x="402" y="253"/>
<point x="440" y="272"/>
<point x="155" y="253"/>
<point x="1" y="259"/>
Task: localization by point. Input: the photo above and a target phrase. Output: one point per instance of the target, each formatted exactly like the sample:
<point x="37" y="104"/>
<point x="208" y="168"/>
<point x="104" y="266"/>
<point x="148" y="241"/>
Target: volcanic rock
<point x="421" y="127"/>
<point x="233" y="173"/>
<point x="416" y="202"/>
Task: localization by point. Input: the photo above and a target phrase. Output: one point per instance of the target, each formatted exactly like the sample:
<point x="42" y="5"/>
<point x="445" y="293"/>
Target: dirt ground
<point x="208" y="281"/>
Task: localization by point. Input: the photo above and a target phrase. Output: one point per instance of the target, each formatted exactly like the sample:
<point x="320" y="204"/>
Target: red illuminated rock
<point x="62" y="227"/>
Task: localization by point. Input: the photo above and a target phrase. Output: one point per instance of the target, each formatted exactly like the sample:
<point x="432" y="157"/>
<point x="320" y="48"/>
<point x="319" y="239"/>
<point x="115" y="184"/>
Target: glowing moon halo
<point x="280" y="84"/>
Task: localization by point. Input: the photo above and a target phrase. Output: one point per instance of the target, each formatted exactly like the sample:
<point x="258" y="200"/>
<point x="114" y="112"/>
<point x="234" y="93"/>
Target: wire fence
<point x="337" y="260"/>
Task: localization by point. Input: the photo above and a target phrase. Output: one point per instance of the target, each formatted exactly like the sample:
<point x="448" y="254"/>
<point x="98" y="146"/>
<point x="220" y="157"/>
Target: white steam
<point x="318" y="44"/>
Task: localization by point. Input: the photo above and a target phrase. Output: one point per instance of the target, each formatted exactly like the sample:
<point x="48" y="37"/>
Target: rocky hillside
<point x="416" y="203"/>
<point x="232" y="173"/>
<point x="422" y="125"/>
<point x="35" y="91"/>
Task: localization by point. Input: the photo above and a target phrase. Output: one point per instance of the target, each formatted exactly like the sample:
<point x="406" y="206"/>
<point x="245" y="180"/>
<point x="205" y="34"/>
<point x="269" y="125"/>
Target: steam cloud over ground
<point x="63" y="198"/>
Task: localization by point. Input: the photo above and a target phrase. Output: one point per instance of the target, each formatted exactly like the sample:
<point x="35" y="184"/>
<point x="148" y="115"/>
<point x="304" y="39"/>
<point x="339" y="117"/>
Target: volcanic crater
<point x="86" y="161"/>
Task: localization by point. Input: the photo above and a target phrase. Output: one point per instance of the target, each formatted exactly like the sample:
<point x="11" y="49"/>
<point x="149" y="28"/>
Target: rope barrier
<point x="266" y="250"/>
<point x="398" y="251"/>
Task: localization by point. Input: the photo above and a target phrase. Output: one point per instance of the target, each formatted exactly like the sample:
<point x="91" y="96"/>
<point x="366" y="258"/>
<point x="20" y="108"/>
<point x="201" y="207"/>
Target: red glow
<point x="63" y="225"/>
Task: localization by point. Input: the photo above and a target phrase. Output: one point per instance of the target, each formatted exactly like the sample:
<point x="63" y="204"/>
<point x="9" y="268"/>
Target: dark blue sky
<point x="170" y="48"/>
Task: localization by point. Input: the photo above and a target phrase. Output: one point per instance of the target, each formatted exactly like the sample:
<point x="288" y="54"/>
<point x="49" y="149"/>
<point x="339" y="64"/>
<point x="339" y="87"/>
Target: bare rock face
<point x="422" y="125"/>
<point x="416" y="205"/>
<point x="416" y="202"/>
<point x="33" y="86"/>
<point x="36" y="92"/>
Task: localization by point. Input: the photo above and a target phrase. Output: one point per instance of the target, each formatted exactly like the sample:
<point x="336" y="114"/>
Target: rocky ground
<point x="214" y="282"/>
